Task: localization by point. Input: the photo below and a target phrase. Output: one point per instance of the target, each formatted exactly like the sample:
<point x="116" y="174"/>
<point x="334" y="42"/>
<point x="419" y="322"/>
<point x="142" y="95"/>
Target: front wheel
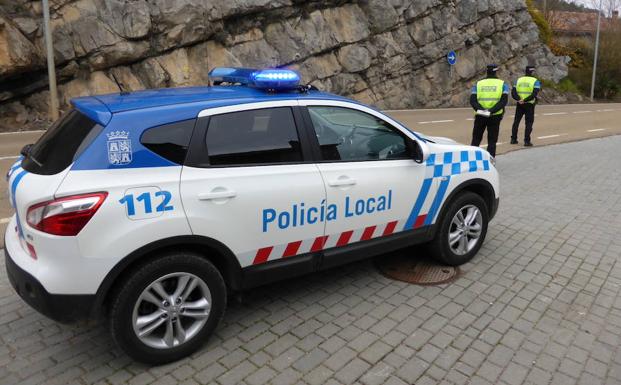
<point x="167" y="308"/>
<point x="461" y="230"/>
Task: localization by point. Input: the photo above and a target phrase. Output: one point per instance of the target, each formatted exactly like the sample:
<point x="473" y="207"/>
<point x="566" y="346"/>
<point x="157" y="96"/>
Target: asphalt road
<point x="553" y="124"/>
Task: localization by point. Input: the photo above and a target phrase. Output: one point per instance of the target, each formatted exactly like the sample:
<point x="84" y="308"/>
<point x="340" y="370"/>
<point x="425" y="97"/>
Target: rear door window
<point x="262" y="136"/>
<point x="61" y="144"/>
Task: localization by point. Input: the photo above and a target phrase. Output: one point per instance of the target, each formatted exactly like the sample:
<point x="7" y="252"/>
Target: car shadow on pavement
<point x="290" y="309"/>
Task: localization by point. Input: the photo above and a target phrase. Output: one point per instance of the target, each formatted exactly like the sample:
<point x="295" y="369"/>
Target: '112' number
<point x="145" y="198"/>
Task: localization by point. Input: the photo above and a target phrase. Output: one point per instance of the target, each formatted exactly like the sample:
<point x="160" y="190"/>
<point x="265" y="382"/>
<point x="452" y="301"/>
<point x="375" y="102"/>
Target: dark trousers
<point x="492" y="124"/>
<point x="527" y="110"/>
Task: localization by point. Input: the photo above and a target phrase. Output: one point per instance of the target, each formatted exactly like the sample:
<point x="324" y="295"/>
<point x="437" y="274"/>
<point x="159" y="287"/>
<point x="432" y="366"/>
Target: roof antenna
<point x="307" y="88"/>
<point x="120" y="85"/>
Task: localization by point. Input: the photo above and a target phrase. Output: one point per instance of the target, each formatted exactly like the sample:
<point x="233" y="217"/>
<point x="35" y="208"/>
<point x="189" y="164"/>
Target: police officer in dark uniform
<point x="525" y="92"/>
<point x="488" y="99"/>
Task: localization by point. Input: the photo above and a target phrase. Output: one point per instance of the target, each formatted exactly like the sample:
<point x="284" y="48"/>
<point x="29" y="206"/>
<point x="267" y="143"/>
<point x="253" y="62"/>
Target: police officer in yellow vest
<point x="525" y="93"/>
<point x="489" y="98"/>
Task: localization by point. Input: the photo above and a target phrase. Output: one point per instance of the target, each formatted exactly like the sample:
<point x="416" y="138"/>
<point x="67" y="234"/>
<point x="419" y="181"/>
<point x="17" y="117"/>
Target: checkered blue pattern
<point x="456" y="162"/>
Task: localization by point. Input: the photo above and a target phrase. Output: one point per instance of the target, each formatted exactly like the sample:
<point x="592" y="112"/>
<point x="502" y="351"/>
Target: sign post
<point x="51" y="70"/>
<point x="451" y="58"/>
<point x="599" y="18"/>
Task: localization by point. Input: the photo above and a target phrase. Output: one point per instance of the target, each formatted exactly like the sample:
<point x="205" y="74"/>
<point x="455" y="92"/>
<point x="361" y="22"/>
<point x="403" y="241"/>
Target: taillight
<point x="65" y="216"/>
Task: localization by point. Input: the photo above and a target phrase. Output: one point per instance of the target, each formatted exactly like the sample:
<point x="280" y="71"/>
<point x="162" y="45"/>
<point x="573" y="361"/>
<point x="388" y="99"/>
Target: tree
<point x="561" y="5"/>
<point x="608" y="81"/>
<point x="608" y="6"/>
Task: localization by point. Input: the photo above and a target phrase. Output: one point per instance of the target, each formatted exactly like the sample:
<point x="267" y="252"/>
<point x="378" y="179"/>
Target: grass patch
<point x="565" y="85"/>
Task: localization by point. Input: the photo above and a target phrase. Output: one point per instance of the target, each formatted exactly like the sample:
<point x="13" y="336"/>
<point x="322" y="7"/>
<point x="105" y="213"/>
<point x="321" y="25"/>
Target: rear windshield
<point x="61" y="144"/>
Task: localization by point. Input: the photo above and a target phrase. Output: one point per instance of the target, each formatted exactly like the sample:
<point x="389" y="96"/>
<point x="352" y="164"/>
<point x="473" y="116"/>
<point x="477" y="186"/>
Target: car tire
<point x="190" y="320"/>
<point x="443" y="246"/>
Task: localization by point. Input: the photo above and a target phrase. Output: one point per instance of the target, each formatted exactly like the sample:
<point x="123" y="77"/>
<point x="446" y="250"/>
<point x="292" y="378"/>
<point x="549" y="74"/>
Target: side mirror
<point x="421" y="151"/>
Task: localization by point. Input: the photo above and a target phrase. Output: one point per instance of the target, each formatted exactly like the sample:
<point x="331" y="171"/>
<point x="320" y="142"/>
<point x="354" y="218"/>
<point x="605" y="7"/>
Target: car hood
<point x="439" y="139"/>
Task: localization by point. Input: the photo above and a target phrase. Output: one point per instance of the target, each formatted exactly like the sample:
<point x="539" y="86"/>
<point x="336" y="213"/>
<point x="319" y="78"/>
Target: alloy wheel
<point x="171" y="310"/>
<point x="465" y="229"/>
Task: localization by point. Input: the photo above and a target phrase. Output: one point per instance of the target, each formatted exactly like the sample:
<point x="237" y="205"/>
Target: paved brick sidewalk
<point x="538" y="305"/>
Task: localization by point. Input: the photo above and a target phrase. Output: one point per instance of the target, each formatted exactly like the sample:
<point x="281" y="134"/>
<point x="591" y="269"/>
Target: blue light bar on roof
<point x="269" y="79"/>
<point x="275" y="79"/>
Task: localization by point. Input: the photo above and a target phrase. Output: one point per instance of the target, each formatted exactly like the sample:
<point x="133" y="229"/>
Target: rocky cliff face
<point x="391" y="53"/>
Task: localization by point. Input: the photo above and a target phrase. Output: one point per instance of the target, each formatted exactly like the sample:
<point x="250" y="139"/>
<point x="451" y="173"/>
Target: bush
<point x="576" y="50"/>
<point x="565" y="85"/>
<point x="568" y="85"/>
<point x="608" y="81"/>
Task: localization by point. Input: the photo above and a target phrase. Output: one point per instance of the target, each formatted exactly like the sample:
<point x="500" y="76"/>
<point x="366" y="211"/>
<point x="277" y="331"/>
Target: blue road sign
<point x="451" y="58"/>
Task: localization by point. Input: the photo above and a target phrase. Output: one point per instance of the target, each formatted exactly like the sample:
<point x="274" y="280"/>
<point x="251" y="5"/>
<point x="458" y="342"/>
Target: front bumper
<point x="59" y="307"/>
<point x="494" y="209"/>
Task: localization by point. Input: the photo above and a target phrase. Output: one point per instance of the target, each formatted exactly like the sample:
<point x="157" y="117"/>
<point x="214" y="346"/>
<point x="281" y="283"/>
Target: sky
<point x="588" y="3"/>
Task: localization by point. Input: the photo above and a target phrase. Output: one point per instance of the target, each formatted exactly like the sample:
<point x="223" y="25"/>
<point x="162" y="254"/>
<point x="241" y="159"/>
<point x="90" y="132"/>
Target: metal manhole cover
<point x="408" y="268"/>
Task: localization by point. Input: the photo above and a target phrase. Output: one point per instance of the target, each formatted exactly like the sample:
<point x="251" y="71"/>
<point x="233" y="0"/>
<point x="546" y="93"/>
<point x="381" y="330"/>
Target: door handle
<point x="217" y="195"/>
<point x="342" y="181"/>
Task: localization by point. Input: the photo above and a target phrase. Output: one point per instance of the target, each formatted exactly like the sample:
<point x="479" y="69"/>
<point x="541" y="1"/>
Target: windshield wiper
<point x="26" y="153"/>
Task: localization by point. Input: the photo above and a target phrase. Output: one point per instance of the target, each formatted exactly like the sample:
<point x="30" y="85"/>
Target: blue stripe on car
<point x="438" y="199"/>
<point x="419" y="204"/>
<point x="14" y="185"/>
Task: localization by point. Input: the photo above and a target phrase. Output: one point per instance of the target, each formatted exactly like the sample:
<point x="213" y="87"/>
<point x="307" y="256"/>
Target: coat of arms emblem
<point x="119" y="148"/>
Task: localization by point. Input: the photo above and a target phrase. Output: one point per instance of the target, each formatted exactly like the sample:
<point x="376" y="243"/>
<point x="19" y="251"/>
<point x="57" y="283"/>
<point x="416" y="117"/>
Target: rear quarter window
<point x="61" y="144"/>
<point x="169" y="141"/>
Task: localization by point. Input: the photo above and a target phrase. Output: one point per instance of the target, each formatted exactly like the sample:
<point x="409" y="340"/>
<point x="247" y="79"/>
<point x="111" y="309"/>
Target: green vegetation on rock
<point x="545" y="31"/>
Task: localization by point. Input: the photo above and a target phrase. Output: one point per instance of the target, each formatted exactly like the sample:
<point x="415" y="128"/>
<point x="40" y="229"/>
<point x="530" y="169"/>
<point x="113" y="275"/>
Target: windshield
<point x="61" y="144"/>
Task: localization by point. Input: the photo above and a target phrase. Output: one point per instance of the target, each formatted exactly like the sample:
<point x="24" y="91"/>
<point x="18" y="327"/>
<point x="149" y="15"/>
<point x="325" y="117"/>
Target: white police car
<point x="149" y="207"/>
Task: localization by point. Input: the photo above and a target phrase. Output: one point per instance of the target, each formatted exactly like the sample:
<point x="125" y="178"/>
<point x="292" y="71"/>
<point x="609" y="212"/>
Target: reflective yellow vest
<point x="489" y="92"/>
<point x="525" y="87"/>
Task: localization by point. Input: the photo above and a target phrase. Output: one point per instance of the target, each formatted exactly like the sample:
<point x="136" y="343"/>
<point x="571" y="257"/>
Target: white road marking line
<point x="550" y="136"/>
<point x="497" y="144"/>
<point x="9" y="157"/>
<point x="4" y="220"/>
<point x="581" y="112"/>
<point x="471" y="119"/>
<point x="21" y="132"/>
<point x="430" y="109"/>
<point x="436" y="121"/>
<point x="596" y="130"/>
<point x="555" y="113"/>
<point x="607" y="110"/>
<point x="509" y="107"/>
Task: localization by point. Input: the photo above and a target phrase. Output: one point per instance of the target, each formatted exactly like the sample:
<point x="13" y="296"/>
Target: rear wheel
<point x="167" y="308"/>
<point x="462" y="230"/>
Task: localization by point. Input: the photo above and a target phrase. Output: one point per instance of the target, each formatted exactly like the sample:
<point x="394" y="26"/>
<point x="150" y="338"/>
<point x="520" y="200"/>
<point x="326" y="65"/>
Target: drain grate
<point x="408" y="268"/>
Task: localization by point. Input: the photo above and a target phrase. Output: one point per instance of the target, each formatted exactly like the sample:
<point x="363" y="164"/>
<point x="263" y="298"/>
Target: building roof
<point x="577" y="23"/>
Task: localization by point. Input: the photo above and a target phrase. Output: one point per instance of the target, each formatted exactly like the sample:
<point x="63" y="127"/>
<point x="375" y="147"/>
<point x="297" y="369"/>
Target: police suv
<point x="149" y="207"/>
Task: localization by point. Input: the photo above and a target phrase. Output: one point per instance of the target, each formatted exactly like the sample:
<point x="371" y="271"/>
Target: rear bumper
<point x="59" y="307"/>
